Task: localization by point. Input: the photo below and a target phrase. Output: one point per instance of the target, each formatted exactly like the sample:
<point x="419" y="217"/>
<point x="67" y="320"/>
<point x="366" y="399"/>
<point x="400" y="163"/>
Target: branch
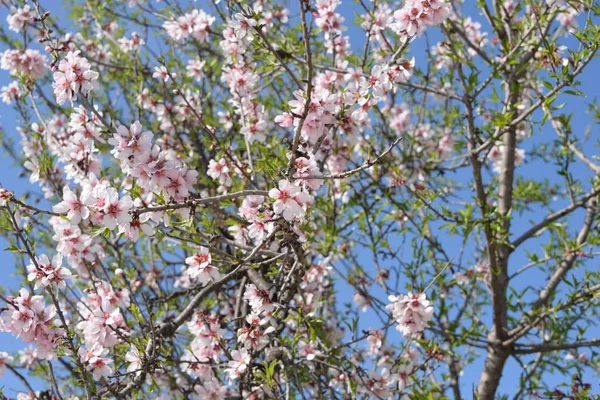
<point x="345" y="174"/>
<point x="547" y="347"/>
<point x="196" y="202"/>
<point x="553" y="217"/>
<point x="309" y="87"/>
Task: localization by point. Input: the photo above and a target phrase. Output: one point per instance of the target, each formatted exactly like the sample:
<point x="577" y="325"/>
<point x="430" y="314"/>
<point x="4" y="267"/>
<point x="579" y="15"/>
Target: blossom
<point x="405" y="376"/>
<point x="129" y="45"/>
<point x="99" y="325"/>
<point x="135" y="227"/>
<point x="195" y="69"/>
<point x="75" y="208"/>
<point x="412" y="312"/>
<point x="46" y="273"/>
<point x="73" y="76"/>
<point x="96" y="360"/>
<point x="260" y="228"/>
<point x="413" y="18"/>
<point x="195" y="24"/>
<point x="220" y="170"/>
<point x="5" y="358"/>
<point x="288" y="200"/>
<point x="114" y="210"/>
<point x="496" y="155"/>
<point x="308" y="350"/>
<point x="199" y="267"/>
<point x="252" y="336"/>
<point x="28" y="318"/>
<point x="211" y="389"/>
<point x="28" y="357"/>
<point x="19" y="18"/>
<point x="11" y="92"/>
<point x="307" y="167"/>
<point x="161" y="72"/>
<point x="258" y="299"/>
<point x="134" y="359"/>
<point x="29" y="62"/>
<point x="131" y="145"/>
<point x="361" y="301"/>
<point x="239" y="363"/>
<point x="5" y="196"/>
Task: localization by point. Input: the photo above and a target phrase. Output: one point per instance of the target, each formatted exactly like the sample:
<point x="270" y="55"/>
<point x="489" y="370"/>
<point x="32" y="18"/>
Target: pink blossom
<point x="45" y="273"/>
<point x="413" y="18"/>
<point x="11" y="92"/>
<point x="161" y="72"/>
<point x="96" y="361"/>
<point x="195" y="24"/>
<point x="19" y="18"/>
<point x="75" y="208"/>
<point x="134" y="359"/>
<point x="73" y="76"/>
<point x="252" y="336"/>
<point x="195" y="69"/>
<point x="288" y="199"/>
<point x="5" y="359"/>
<point x="29" y="318"/>
<point x="200" y="268"/>
<point x="308" y="350"/>
<point x="239" y="363"/>
<point x="5" y="196"/>
<point x="258" y="299"/>
<point x="113" y="210"/>
<point x="220" y="170"/>
<point x="210" y="390"/>
<point x="29" y="62"/>
<point x="412" y="312"/>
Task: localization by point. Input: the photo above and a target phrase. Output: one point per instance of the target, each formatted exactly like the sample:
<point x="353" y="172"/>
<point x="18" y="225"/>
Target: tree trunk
<point x="492" y="371"/>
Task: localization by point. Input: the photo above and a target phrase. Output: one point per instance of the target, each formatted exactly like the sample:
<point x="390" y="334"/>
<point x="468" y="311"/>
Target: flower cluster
<point x="30" y="63"/>
<point x="195" y="24"/>
<point x="241" y="78"/>
<point x="155" y="170"/>
<point x="74" y="76"/>
<point x="11" y="92"/>
<point x="30" y="319"/>
<point x="19" y="18"/>
<point x="200" y="268"/>
<point x="416" y="15"/>
<point x="96" y="361"/>
<point x="259" y="300"/>
<point x="289" y="200"/>
<point x="45" y="272"/>
<point x="81" y="250"/>
<point x="101" y="314"/>
<point x="412" y="312"/>
<point x="101" y="325"/>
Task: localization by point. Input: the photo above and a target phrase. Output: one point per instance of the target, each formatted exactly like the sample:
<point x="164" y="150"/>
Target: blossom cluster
<point x="74" y="76"/>
<point x="416" y="15"/>
<point x="200" y="268"/>
<point x="30" y="319"/>
<point x="195" y="24"/>
<point x="101" y="325"/>
<point x="44" y="272"/>
<point x="412" y="312"/>
<point x="155" y="170"/>
<point x="30" y="63"/>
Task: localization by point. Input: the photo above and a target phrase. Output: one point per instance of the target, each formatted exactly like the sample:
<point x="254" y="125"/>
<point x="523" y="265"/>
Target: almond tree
<point x="320" y="199"/>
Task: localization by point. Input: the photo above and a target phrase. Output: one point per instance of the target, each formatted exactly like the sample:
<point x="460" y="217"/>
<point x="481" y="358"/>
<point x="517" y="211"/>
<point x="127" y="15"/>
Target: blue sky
<point x="9" y="179"/>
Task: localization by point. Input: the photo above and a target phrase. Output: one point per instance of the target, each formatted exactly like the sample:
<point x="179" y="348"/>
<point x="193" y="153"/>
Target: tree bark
<point x="492" y="371"/>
